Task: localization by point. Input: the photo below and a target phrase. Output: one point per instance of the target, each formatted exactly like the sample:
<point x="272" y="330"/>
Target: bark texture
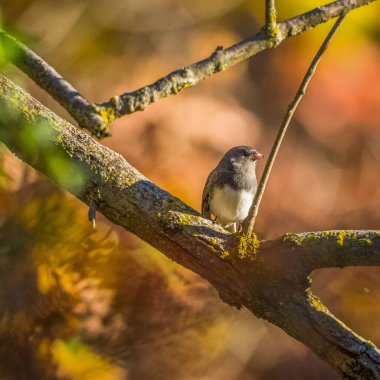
<point x="270" y="278"/>
<point x="97" y="117"/>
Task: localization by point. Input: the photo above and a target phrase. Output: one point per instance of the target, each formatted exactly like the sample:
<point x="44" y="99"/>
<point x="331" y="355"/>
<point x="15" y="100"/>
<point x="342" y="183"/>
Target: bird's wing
<point x="207" y="194"/>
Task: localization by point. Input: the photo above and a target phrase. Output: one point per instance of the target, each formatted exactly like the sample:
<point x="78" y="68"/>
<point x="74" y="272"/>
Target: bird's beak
<point x="258" y="156"/>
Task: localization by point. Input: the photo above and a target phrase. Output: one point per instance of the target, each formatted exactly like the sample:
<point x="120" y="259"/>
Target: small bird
<point x="230" y="188"/>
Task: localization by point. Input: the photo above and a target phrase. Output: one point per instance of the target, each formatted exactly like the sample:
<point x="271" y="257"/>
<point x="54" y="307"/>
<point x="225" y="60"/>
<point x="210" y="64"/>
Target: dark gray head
<point x="240" y="158"/>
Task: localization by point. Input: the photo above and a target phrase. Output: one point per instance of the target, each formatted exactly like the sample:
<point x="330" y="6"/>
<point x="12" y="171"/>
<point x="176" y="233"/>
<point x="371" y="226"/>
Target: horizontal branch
<point x="270" y="278"/>
<point x="96" y="118"/>
<point x="336" y="248"/>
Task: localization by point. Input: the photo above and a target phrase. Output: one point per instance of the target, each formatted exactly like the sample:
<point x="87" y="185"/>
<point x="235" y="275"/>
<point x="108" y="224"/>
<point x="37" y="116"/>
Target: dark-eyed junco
<point x="231" y="186"/>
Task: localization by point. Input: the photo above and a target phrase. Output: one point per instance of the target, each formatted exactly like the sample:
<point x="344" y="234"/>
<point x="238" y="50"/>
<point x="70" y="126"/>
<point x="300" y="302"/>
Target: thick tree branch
<point x="336" y="248"/>
<point x="270" y="278"/>
<point x="96" y="118"/>
<point x="331" y="339"/>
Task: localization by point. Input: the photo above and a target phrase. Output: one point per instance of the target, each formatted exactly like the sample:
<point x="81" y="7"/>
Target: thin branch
<point x="50" y="80"/>
<point x="96" y="118"/>
<point x="269" y="278"/>
<point x="270" y="15"/>
<point x="223" y="59"/>
<point x="249" y="223"/>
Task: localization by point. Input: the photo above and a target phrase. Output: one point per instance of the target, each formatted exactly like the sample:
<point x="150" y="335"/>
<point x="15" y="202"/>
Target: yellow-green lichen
<point x="340" y="238"/>
<point x="214" y="244"/>
<point x="225" y="255"/>
<point x="217" y="247"/>
<point x="293" y="238"/>
<point x="128" y="181"/>
<point x="274" y="33"/>
<point x="272" y="16"/>
<point x="185" y="219"/>
<point x="315" y="302"/>
<point x="248" y="245"/>
<point x="108" y="114"/>
<point x="366" y="241"/>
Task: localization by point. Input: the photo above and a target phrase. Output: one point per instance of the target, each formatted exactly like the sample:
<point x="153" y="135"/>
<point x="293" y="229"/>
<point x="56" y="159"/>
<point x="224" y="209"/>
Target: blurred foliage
<point x="76" y="361"/>
<point x="38" y="147"/>
<point x="80" y="303"/>
<point x="5" y="178"/>
<point x="89" y="304"/>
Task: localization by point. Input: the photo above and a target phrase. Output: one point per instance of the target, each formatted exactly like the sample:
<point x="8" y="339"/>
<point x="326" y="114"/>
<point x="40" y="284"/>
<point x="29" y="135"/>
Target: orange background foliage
<point x="78" y="303"/>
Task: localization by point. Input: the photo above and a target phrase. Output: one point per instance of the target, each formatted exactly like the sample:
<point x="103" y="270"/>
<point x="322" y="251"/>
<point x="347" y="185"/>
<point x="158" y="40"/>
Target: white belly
<point x="229" y="205"/>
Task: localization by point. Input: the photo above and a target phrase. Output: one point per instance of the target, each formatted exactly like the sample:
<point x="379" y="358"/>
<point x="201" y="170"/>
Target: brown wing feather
<point x="206" y="206"/>
<point x="207" y="194"/>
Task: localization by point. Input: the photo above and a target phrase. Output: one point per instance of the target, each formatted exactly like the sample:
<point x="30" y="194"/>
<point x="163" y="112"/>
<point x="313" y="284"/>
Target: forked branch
<point x="270" y="278"/>
<point x="97" y="117"/>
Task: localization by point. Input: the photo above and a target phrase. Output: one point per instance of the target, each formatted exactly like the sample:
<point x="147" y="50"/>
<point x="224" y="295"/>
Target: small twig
<point x="223" y="59"/>
<point x="270" y="15"/>
<point x="250" y="221"/>
<point x="92" y="214"/>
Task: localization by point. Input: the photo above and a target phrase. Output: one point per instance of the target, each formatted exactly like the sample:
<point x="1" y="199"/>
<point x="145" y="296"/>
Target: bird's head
<point x="241" y="157"/>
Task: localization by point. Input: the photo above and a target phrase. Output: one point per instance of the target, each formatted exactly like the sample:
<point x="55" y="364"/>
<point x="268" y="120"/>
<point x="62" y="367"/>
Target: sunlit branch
<point x="341" y="249"/>
<point x="270" y="278"/>
<point x="50" y="80"/>
<point x="96" y="118"/>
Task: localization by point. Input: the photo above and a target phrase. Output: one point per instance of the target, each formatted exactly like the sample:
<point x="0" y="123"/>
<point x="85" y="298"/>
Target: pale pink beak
<point x="258" y="156"/>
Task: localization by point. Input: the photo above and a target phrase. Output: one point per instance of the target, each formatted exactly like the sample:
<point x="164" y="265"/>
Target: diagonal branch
<point x="50" y="80"/>
<point x="331" y="339"/>
<point x="96" y="118"/>
<point x="270" y="278"/>
<point x="250" y="221"/>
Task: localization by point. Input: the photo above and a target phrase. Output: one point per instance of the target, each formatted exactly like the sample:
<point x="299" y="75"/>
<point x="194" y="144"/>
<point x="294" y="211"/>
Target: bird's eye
<point x="246" y="154"/>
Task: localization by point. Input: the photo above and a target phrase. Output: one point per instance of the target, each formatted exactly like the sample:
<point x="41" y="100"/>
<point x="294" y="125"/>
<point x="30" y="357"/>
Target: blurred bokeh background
<point x="78" y="303"/>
